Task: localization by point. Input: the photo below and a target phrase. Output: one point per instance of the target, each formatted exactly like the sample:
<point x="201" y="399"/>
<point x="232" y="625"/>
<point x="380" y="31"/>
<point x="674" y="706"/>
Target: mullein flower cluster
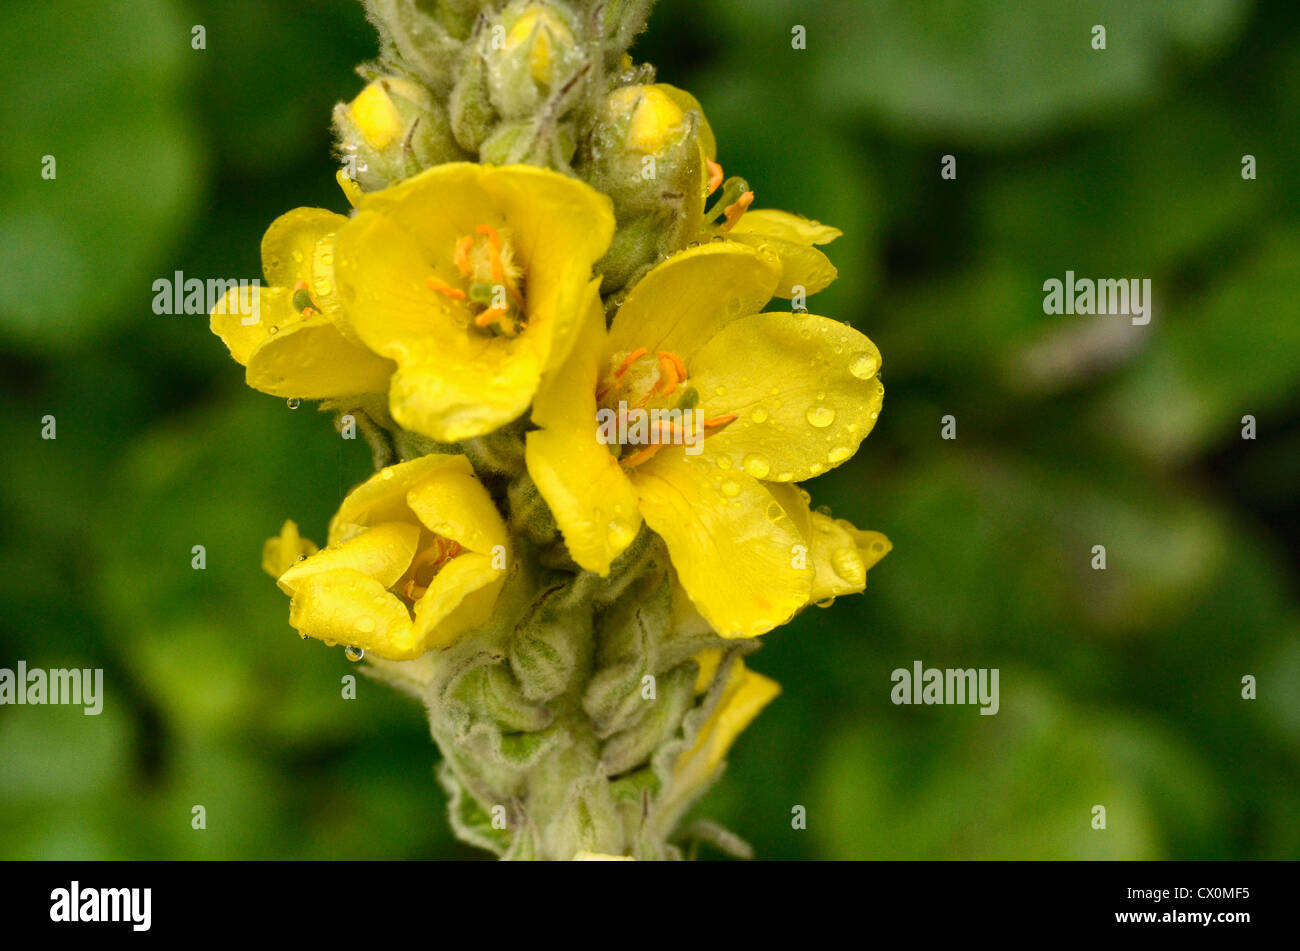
<point x="542" y="237"/>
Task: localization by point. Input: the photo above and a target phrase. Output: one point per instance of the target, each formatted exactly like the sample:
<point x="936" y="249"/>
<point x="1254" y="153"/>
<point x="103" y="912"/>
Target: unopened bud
<point x="393" y="129"/>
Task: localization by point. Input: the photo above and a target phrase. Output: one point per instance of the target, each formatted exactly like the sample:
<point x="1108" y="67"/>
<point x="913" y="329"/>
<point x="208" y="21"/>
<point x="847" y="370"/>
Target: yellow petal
<point x="801" y="265"/>
<point x="310" y="359"/>
<point x="708" y="661"/>
<point x="346" y="607"/>
<point x="460" y="598"/>
<point x="280" y="552"/>
<point x="290" y="242"/>
<point x="784" y="225"/>
<point x="244" y="316"/>
<point x="804" y="389"/>
<point x="383" y="497"/>
<point x="733" y="546"/>
<point x="744" y="696"/>
<point x="453" y="503"/>
<point x="841" y="554"/>
<point x="593" y="502"/>
<point x="351" y="190"/>
<point x="383" y="553"/>
<point x="687" y="299"/>
<point x="458" y="398"/>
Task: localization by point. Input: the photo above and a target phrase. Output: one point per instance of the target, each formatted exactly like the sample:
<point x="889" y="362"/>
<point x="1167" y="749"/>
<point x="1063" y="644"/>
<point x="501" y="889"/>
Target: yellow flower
<point x="415" y="559"/>
<point x="793" y="239"/>
<point x="291" y="335"/>
<point x="472" y="278"/>
<point x="743" y="697"/>
<point x="780" y="397"/>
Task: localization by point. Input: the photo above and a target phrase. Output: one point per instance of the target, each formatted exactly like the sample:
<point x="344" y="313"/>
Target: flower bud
<point x="532" y="54"/>
<point x="391" y="130"/>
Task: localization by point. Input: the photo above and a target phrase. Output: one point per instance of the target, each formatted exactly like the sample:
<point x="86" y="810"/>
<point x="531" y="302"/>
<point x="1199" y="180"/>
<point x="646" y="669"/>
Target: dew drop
<point x="785" y="477"/>
<point x="757" y="465"/>
<point x="354" y="654"/>
<point x="759" y="415"/>
<point x="826" y="603"/>
<point x="816" y="468"/>
<point x="293" y="402"/>
<point x="730" y="489"/>
<point x="297" y="256"/>
<point x="273" y="329"/>
<point x="365" y="624"/>
<point x="863" y="366"/>
<point x="838" y="454"/>
<point x="820" y="416"/>
<point x="724" y="462"/>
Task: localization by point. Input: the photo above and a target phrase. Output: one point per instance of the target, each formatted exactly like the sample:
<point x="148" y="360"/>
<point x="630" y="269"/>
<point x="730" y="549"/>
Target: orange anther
<point x="630" y="359"/>
<point x="489" y="316"/>
<point x="414" y="591"/>
<point x="733" y="211"/>
<point x="672" y="370"/>
<point x="300" y="286"/>
<point x="490" y="233"/>
<point x="715" y="175"/>
<point x="719" y="422"/>
<point x="463" y="247"/>
<point x="308" y="311"/>
<point x="439" y="286"/>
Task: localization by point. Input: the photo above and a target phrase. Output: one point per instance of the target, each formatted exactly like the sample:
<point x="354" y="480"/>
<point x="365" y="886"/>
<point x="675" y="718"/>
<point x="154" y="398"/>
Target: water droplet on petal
<point x="863" y="366"/>
<point x="838" y="454"/>
<point x="297" y="256"/>
<point x="820" y="416"/>
<point x="365" y="624"/>
<point x="354" y="654"/>
<point x="724" y="462"/>
<point x="759" y="415"/>
<point x="825" y="603"/>
<point x="730" y="489"/>
<point x="273" y="329"/>
<point x="293" y="402"/>
<point x="757" y="466"/>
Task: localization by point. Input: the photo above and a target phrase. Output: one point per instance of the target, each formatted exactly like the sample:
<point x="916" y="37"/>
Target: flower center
<point x="645" y="403"/>
<point x="426" y="566"/>
<point x="491" y="283"/>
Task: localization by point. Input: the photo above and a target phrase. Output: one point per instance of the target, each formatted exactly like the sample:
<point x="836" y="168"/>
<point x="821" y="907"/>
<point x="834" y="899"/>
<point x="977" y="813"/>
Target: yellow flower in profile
<point x="735" y="400"/>
<point x="291" y="335"/>
<point x="416" y="558"/>
<point x="473" y="279"/>
<point x="744" y="695"/>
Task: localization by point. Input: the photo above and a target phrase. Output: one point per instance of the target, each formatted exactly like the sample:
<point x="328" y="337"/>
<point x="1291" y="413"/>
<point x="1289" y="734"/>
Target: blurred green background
<point x="1119" y="687"/>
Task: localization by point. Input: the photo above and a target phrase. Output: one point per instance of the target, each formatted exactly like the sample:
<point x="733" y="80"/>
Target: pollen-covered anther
<point x="439" y="286"/>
